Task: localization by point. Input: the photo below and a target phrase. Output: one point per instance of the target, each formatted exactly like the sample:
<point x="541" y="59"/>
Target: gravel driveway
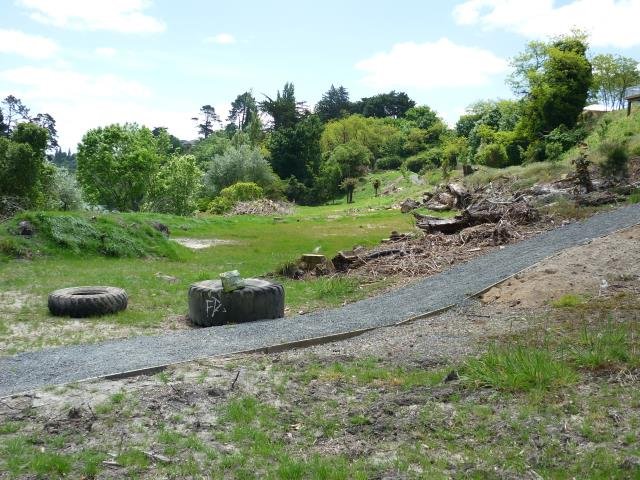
<point x="27" y="371"/>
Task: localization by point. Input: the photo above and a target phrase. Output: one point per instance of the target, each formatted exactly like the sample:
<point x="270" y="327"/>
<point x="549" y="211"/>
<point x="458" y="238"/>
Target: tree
<point x="47" y="122"/>
<point x="421" y="117"/>
<point x="166" y="141"/>
<point x="285" y="111"/>
<point x="238" y="164"/>
<point x="349" y="185"/>
<point x="22" y="161"/>
<point x="175" y="187"/>
<point x="208" y="118"/>
<point x="393" y="104"/>
<point x="242" y="110"/>
<point x="116" y="163"/>
<point x="334" y="104"/>
<point x="296" y="150"/>
<point x="64" y="159"/>
<point x="373" y="133"/>
<point x="612" y="75"/>
<point x="14" y="112"/>
<point x="62" y="190"/>
<point x="558" y="90"/>
<point x="353" y="159"/>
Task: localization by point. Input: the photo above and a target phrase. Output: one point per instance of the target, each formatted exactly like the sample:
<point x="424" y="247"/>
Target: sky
<point x="91" y="63"/>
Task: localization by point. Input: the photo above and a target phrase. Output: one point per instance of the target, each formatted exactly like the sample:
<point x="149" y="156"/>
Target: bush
<point x="615" y="157"/>
<point x="492" y="155"/>
<point x="175" y="187"/>
<point x="431" y="158"/>
<point x="241" y="164"/>
<point x="242" y="192"/>
<point x="239" y="192"/>
<point x="553" y="151"/>
<point x="391" y="162"/>
<point x="220" y="206"/>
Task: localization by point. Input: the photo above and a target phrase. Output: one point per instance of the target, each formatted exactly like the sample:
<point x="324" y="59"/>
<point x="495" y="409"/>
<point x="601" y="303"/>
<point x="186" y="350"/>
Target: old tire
<point x="209" y="305"/>
<point x="79" y="302"/>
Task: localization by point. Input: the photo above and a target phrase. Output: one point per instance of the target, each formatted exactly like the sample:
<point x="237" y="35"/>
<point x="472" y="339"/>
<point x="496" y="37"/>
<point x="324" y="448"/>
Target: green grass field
<point x="261" y="245"/>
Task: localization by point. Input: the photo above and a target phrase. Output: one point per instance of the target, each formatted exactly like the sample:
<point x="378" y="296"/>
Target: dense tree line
<point x="282" y="148"/>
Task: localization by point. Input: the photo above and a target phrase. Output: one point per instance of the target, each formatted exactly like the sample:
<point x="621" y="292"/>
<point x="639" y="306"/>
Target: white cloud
<point x="79" y="102"/>
<point x="609" y="22"/>
<point x="51" y="83"/>
<point x="125" y="16"/>
<point x="431" y="65"/>
<point x="106" y="52"/>
<point x="221" y="39"/>
<point x="23" y="44"/>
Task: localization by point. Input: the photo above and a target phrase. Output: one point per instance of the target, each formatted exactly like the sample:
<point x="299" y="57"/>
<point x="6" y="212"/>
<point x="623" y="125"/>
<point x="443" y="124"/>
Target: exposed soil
<point x="606" y="264"/>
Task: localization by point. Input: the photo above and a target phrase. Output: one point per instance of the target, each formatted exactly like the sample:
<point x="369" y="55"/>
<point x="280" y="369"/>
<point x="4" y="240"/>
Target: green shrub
<point x="569" y="300"/>
<point x="492" y="155"/>
<point x="415" y="164"/>
<point x="220" y="206"/>
<point x="553" y="151"/>
<point x="615" y="158"/>
<point x="242" y="192"/>
<point x="392" y="162"/>
<point x="431" y="158"/>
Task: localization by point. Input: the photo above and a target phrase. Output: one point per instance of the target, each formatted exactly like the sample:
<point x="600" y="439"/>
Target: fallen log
<point x="444" y="225"/>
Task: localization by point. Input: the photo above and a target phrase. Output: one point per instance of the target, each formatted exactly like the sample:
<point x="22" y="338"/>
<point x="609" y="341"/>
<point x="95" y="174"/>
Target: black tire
<point x="80" y="302"/>
<point x="209" y="305"/>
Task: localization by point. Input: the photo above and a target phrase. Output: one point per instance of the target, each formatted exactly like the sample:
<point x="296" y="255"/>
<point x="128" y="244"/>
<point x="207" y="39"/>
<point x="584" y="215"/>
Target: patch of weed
<point x="518" y="369"/>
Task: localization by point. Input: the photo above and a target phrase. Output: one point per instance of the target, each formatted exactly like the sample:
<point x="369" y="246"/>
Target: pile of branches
<point x="262" y="207"/>
<point x="483" y="206"/>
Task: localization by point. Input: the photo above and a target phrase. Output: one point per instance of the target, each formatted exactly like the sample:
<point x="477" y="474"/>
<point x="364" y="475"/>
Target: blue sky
<point x="93" y="62"/>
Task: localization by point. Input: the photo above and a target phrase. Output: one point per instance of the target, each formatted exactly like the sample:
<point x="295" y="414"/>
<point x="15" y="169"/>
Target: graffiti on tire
<point x="214" y="306"/>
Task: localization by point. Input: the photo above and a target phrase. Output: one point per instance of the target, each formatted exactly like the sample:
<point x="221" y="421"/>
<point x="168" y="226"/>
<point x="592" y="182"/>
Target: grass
<point x="518" y="369"/>
<point x="560" y="400"/>
<point x="261" y="245"/>
<point x="569" y="300"/>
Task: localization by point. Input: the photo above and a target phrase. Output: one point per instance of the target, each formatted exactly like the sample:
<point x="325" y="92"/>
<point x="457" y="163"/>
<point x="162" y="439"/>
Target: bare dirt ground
<point x="392" y="403"/>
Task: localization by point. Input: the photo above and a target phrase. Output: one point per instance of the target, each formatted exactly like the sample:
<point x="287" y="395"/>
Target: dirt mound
<point x="602" y="266"/>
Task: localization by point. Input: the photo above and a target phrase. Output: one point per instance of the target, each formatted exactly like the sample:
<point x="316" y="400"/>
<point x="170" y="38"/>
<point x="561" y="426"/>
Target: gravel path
<point x="30" y="370"/>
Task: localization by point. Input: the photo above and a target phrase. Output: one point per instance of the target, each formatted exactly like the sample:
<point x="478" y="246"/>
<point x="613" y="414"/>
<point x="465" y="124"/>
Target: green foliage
<point x="353" y="159"/>
<point x="612" y="75"/>
<point x="558" y="89"/>
<point x="115" y="164"/>
<point x="209" y="148"/>
<point x="391" y="162"/>
<point x="610" y="346"/>
<point x="349" y="185"/>
<point x="372" y="133"/>
<point x="570" y="300"/>
<point x="62" y="192"/>
<point x="243" y="192"/>
<point x="243" y="109"/>
<point x="393" y="104"/>
<point x="492" y="155"/>
<point x="334" y="104"/>
<point x="284" y="109"/>
<point x="238" y="164"/>
<point x="175" y="187"/>
<point x="615" y="158"/>
<point x="238" y="192"/>
<point x="99" y="235"/>
<point x="518" y="369"/>
<point x="22" y="162"/>
<point x="295" y="150"/>
<point x="426" y="159"/>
